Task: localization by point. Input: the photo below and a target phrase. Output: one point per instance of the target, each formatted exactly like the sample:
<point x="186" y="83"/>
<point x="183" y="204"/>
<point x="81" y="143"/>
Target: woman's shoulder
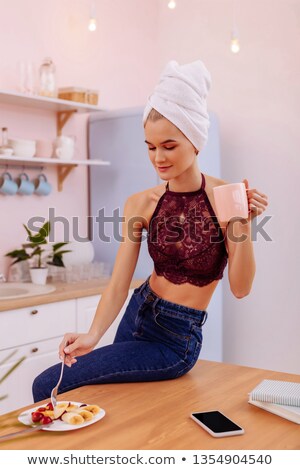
<point x="144" y="202"/>
<point x="142" y="198"/>
<point x="212" y="181"/>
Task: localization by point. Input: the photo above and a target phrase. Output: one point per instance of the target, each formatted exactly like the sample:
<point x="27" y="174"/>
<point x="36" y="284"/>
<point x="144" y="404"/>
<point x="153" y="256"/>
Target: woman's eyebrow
<point x="165" y="141"/>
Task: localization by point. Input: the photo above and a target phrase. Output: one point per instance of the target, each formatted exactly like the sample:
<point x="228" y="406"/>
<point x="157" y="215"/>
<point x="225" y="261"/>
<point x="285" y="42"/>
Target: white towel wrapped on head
<point x="180" y="96"/>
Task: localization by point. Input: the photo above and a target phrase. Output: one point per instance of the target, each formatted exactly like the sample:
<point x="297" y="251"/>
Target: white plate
<point x="57" y="424"/>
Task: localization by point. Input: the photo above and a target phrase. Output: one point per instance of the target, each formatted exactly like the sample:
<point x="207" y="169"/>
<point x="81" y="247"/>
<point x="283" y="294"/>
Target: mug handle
<point x="42" y="176"/>
<point x="26" y="177"/>
<point x="6" y="173"/>
<point x="57" y="152"/>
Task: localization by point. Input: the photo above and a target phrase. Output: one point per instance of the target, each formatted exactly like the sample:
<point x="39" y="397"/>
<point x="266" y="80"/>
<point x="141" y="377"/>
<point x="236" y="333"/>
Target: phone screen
<point x="216" y="421"/>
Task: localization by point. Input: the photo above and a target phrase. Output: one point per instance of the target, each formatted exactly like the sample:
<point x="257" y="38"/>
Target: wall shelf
<point x="64" y="109"/>
<point x="63" y="167"/>
<point x="43" y="102"/>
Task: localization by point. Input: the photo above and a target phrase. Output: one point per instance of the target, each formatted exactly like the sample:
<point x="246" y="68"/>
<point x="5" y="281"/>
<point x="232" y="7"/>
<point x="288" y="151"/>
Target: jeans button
<point x="150" y="297"/>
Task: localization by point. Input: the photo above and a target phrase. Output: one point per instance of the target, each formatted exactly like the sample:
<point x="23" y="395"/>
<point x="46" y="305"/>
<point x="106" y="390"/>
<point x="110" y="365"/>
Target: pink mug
<point x="231" y="201"/>
<point x="44" y="149"/>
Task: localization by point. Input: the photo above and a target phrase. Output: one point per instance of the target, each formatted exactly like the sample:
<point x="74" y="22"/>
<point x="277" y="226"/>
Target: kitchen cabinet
<point x="35" y="332"/>
<point x="86" y="307"/>
<point x="64" y="109"/>
<point x="17" y="386"/>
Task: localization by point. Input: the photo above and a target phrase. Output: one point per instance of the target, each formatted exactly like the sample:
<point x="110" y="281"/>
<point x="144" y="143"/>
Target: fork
<point x="55" y="389"/>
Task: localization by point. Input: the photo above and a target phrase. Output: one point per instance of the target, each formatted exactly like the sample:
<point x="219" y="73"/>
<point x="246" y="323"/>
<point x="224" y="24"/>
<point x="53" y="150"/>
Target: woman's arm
<point x="241" y="261"/>
<point x="116" y="292"/>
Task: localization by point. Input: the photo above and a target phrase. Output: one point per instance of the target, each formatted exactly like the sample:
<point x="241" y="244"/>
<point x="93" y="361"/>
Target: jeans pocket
<point x="176" y="325"/>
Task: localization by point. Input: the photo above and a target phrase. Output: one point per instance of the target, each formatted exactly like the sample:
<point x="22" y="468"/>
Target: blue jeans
<point x="156" y="340"/>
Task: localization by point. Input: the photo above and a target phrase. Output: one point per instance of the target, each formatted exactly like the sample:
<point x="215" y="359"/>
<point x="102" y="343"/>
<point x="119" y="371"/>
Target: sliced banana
<point x="63" y="404"/>
<point x="72" y="407"/>
<point x="72" y="418"/>
<point x="87" y="415"/>
<point x="95" y="409"/>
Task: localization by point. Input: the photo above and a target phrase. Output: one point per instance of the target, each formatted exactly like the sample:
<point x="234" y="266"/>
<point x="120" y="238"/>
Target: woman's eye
<point x="167" y="148"/>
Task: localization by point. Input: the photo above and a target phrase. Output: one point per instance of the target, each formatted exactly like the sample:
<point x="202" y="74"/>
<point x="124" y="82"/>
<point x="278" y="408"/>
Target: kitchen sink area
<point x="15" y="290"/>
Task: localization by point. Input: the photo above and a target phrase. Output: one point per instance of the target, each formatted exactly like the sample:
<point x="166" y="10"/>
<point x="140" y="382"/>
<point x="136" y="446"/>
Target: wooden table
<point x="155" y="415"/>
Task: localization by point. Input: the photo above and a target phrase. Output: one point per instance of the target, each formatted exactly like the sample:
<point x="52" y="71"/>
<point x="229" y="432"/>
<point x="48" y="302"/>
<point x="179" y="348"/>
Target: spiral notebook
<point x="292" y="413"/>
<point x="277" y="391"/>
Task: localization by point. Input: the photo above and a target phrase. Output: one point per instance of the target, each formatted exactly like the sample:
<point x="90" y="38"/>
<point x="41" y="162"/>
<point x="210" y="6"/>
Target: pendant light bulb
<point x="92" y="22"/>
<point x="172" y="4"/>
<point x="235" y="43"/>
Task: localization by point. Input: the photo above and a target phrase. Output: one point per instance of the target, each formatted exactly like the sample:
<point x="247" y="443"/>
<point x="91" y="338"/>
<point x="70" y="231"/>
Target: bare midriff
<point x="184" y="294"/>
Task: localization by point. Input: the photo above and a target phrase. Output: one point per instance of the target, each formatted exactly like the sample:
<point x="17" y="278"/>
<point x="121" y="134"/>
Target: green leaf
<point x="56" y="246"/>
<point x="56" y="261"/>
<point x="27" y="230"/>
<point x="37" y="251"/>
<point x="60" y="253"/>
<point x="20" y="254"/>
<point x="39" y="237"/>
<point x="45" y="230"/>
<point x="7" y="358"/>
<point x="12" y="369"/>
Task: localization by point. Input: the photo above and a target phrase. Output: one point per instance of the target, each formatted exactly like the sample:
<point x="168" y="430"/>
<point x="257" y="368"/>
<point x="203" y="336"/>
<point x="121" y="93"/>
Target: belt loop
<point x="143" y="286"/>
<point x="204" y="317"/>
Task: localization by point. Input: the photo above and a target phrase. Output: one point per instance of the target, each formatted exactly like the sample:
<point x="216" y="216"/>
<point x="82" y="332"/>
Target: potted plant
<point x="37" y="254"/>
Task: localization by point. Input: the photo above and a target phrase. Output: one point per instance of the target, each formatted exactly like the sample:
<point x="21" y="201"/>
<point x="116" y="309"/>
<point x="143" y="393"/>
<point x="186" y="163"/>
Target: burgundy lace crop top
<point x="185" y="239"/>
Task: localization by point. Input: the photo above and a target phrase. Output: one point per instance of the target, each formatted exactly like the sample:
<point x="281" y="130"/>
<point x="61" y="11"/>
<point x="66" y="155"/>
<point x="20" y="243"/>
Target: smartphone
<point x="217" y="424"/>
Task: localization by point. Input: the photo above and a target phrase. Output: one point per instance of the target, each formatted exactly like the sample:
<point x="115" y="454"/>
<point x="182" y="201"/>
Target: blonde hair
<point x="154" y="116"/>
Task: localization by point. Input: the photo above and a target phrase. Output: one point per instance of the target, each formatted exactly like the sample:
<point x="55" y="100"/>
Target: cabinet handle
<point x="34" y="350"/>
<point x="34" y="312"/>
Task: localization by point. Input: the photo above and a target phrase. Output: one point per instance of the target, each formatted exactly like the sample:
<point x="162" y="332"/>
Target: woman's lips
<point x="163" y="168"/>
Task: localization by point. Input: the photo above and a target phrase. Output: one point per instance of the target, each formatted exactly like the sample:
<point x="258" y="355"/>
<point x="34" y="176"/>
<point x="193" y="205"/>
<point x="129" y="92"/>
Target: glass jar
<point x="47" y="82"/>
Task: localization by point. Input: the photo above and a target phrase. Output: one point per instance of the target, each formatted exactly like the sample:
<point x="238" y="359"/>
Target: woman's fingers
<point x="69" y="360"/>
<point x="255" y="203"/>
<point x="66" y="344"/>
<point x="261" y="199"/>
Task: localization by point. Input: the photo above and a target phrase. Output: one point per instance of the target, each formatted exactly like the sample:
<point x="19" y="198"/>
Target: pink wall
<point x="256" y="96"/>
<point x="112" y="60"/>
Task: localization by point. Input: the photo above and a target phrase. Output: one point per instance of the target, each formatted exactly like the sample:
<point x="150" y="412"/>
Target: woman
<point x="160" y="334"/>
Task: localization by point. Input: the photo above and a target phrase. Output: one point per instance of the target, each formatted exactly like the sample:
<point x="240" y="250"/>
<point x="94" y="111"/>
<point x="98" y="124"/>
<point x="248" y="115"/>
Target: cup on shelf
<point x="25" y="186"/>
<point x="26" y="72"/>
<point x="6" y="151"/>
<point x="7" y="184"/>
<point x="23" y="147"/>
<point x="44" y="149"/>
<point x="231" y="201"/>
<point x="64" y="147"/>
<point x="42" y="187"/>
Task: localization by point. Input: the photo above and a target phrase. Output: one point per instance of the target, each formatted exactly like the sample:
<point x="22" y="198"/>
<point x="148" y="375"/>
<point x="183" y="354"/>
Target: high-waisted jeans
<point x="156" y="340"/>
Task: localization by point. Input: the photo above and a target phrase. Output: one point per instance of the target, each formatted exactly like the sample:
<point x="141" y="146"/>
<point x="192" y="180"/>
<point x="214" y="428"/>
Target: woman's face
<point x="168" y="147"/>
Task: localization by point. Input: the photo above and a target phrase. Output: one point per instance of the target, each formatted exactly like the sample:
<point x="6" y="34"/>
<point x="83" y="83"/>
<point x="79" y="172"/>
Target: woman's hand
<point x="75" y="344"/>
<point x="257" y="201"/>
